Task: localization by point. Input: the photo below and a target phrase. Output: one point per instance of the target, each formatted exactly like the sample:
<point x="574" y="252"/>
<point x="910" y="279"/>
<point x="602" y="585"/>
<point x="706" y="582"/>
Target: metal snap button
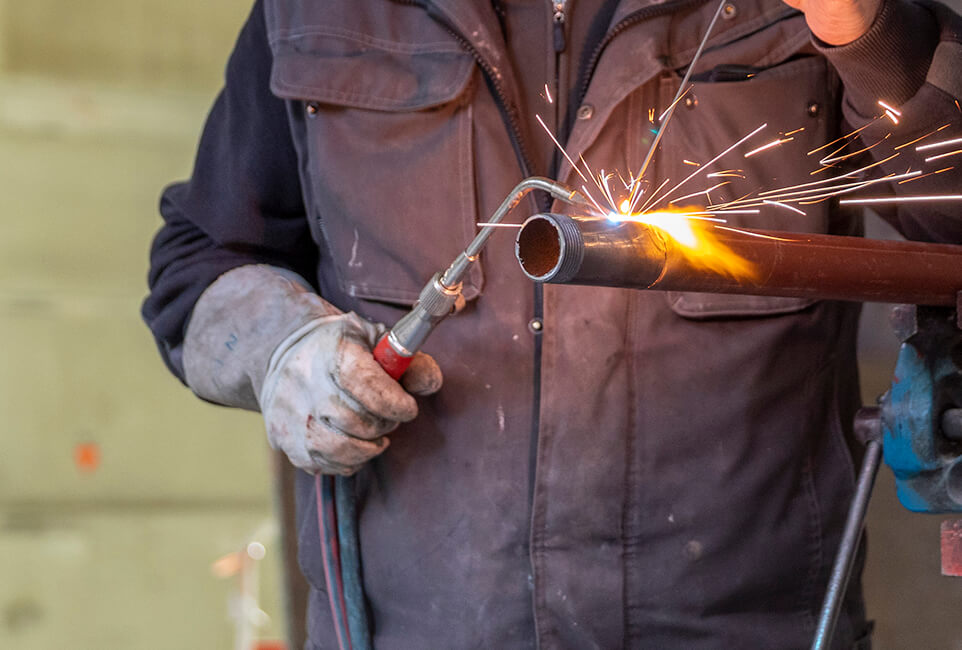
<point x="729" y="11"/>
<point x="312" y="108"/>
<point x="585" y="111"/>
<point x="812" y="109"/>
<point x="535" y="325"/>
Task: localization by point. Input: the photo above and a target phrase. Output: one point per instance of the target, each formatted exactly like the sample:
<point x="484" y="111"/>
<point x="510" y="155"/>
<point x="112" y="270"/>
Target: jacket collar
<point x="628" y="7"/>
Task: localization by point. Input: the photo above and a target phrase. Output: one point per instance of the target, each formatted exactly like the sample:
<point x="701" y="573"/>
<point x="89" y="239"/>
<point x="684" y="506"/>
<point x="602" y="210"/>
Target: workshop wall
<point x="118" y="489"/>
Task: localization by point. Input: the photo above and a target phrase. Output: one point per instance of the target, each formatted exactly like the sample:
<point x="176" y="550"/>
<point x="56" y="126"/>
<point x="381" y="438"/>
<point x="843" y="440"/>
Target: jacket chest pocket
<point x="384" y="134"/>
<point x="797" y="101"/>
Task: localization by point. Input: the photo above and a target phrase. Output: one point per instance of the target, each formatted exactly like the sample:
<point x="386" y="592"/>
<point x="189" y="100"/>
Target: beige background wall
<point x="101" y="102"/>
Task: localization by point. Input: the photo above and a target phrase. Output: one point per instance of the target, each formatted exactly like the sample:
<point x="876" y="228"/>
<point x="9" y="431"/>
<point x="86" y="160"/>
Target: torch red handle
<point x="393" y="362"/>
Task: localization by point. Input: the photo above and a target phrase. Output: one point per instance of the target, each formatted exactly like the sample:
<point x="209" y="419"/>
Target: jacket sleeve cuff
<point x="890" y="61"/>
<point x="237" y="324"/>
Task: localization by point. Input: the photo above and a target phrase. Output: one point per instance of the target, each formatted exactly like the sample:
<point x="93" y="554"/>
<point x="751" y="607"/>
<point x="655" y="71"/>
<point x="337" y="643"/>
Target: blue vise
<point x="922" y="412"/>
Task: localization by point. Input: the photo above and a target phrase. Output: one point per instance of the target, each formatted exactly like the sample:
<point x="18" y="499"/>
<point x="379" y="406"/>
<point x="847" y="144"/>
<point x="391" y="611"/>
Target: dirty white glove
<point x="328" y="404"/>
<point x="259" y="339"/>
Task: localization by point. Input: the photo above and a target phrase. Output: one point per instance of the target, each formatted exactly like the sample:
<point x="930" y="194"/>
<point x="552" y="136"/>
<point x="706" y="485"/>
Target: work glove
<point x="259" y="339"/>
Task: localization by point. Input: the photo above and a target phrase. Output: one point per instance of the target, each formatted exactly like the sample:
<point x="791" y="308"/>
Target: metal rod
<point x="595" y="251"/>
<point x="681" y="89"/>
<point x="844" y="560"/>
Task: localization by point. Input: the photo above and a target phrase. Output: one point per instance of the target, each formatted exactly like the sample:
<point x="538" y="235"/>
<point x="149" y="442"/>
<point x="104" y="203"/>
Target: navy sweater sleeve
<point x="242" y="204"/>
<point x="909" y="58"/>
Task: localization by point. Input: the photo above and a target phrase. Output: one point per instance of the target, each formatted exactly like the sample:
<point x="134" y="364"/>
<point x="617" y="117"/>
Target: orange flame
<point x="694" y="237"/>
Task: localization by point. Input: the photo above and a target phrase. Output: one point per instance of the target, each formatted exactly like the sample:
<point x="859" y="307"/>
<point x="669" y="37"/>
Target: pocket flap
<point x="386" y="153"/>
<point x="365" y="72"/>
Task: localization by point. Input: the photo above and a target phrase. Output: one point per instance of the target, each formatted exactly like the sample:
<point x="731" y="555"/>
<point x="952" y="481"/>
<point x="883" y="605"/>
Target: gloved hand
<point x="259" y="339"/>
<point x="328" y="404"/>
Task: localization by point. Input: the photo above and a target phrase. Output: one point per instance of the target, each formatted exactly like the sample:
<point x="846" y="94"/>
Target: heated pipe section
<point x="560" y="249"/>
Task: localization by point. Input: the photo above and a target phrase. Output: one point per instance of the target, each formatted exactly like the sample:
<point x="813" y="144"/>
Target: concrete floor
<point x="113" y="549"/>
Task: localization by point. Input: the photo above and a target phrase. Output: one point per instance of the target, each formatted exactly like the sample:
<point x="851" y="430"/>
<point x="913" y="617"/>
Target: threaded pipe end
<point x="550" y="248"/>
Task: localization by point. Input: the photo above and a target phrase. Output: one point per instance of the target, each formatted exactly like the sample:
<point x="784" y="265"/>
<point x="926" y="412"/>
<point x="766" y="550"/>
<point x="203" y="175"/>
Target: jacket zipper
<point x="510" y="117"/>
<point x="509" y="111"/>
<point x="558" y="17"/>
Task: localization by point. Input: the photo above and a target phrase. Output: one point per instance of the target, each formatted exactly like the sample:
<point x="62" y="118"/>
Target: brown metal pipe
<point x="560" y="249"/>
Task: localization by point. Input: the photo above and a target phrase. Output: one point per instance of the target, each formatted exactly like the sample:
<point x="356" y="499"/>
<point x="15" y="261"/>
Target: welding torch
<point x="336" y="505"/>
<point x="441" y="296"/>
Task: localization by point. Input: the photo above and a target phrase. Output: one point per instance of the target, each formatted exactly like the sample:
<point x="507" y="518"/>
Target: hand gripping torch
<point x="336" y="506"/>
<point x="440" y="297"/>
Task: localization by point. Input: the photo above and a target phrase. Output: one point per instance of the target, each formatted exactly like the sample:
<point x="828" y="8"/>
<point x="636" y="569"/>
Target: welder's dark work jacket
<point x="603" y="467"/>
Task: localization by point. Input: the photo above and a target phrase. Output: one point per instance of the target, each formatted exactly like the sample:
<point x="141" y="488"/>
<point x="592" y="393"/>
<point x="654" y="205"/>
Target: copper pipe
<point x="560" y="249"/>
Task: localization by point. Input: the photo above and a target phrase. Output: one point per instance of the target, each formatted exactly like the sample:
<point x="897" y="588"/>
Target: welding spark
<point x="684" y="82"/>
<point x="930" y="133"/>
<point x="889" y="108"/>
<point x="700" y="216"/>
<point x="903" y="199"/>
<point x="606" y="190"/>
<point x="728" y="173"/>
<point x="600" y="209"/>
<point x="816" y="194"/>
<point x="835" y="178"/>
<point x="679" y="223"/>
<point x="716" y="158"/>
<point x="937" y="145"/>
<point x="695" y="215"/>
<point x="671" y="107"/>
<point x="699" y="192"/>
<point x="499" y="225"/>
<point x="943" y="155"/>
<point x="783" y="205"/>
<point x="764" y="147"/>
<point x="547" y="94"/>
<point x="829" y="160"/>
<point x="651" y="198"/>
<point x="844" y="137"/>
<point x="560" y="148"/>
<point x="754" y="234"/>
<point x="909" y="180"/>
<point x="570" y="161"/>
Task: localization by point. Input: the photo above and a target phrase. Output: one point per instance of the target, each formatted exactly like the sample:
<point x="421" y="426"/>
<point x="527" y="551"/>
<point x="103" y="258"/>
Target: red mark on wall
<point x="86" y="456"/>
<point x="270" y="645"/>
